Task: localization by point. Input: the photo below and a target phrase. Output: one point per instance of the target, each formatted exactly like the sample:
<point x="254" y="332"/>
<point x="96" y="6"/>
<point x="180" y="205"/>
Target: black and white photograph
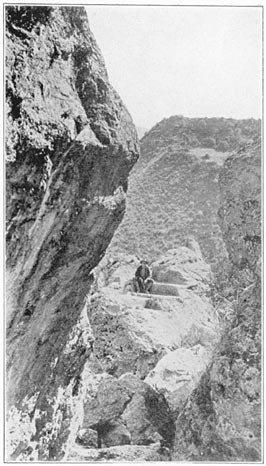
<point x="133" y="248"/>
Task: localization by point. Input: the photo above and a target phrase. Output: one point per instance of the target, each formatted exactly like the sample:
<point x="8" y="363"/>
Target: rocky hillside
<point x="222" y="419"/>
<point x="70" y="146"/>
<point x="173" y="189"/>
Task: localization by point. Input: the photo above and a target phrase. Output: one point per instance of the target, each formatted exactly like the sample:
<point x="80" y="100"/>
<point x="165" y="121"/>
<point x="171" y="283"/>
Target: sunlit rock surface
<point x="178" y="373"/>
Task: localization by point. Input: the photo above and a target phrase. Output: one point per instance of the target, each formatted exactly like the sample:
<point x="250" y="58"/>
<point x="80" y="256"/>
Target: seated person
<point x="142" y="273"/>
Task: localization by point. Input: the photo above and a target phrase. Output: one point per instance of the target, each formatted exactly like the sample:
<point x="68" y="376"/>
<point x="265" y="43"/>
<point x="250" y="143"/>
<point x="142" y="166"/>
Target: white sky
<point x="194" y="61"/>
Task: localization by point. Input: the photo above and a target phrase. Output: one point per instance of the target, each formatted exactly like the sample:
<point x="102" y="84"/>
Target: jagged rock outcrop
<point x="124" y="413"/>
<point x="173" y="188"/>
<point x="133" y="331"/>
<point x="70" y="146"/>
<point x="135" y="335"/>
<point x="222" y="419"/>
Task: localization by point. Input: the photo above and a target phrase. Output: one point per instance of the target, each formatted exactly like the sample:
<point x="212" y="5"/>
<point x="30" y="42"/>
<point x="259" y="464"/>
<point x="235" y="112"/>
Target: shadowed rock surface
<point x="222" y="419"/>
<point x="70" y="146"/>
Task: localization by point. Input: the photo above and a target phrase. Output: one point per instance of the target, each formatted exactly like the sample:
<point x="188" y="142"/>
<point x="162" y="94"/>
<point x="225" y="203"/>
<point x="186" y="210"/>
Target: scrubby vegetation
<point x="221" y="134"/>
<point x="173" y="190"/>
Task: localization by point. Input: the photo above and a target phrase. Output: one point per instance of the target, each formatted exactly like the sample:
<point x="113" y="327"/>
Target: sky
<point x="191" y="61"/>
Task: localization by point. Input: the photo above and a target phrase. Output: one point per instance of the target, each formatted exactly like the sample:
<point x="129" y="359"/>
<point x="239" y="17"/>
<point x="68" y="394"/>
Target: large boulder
<point x="177" y="374"/>
<point x="148" y="417"/>
<point x="132" y="333"/>
<point x="125" y="410"/>
<point x="114" y="271"/>
<point x="87" y="438"/>
<point x="131" y="382"/>
<point x="70" y="146"/>
<point x="182" y="266"/>
<point x="116" y="434"/>
<point x="107" y="403"/>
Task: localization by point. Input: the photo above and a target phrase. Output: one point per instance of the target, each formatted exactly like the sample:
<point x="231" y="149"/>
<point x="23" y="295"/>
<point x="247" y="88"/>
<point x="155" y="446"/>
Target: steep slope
<point x="222" y="419"/>
<point x="173" y="189"/>
<point x="70" y="146"/>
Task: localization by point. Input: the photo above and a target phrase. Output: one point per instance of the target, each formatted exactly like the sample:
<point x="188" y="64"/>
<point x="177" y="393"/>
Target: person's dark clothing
<point x="142" y="273"/>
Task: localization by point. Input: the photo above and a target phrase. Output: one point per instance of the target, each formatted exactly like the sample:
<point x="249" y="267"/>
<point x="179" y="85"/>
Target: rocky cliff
<point x="173" y="188"/>
<point x="222" y="419"/>
<point x="70" y="146"/>
<point x="97" y="371"/>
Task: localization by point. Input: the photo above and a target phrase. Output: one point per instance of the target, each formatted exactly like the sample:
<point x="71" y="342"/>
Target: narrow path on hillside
<point x="152" y="162"/>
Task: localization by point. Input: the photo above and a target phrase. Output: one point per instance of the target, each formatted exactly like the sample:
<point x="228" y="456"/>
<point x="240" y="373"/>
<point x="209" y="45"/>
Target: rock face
<point x="173" y="189"/>
<point x="221" y="421"/>
<point x="70" y="146"/>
